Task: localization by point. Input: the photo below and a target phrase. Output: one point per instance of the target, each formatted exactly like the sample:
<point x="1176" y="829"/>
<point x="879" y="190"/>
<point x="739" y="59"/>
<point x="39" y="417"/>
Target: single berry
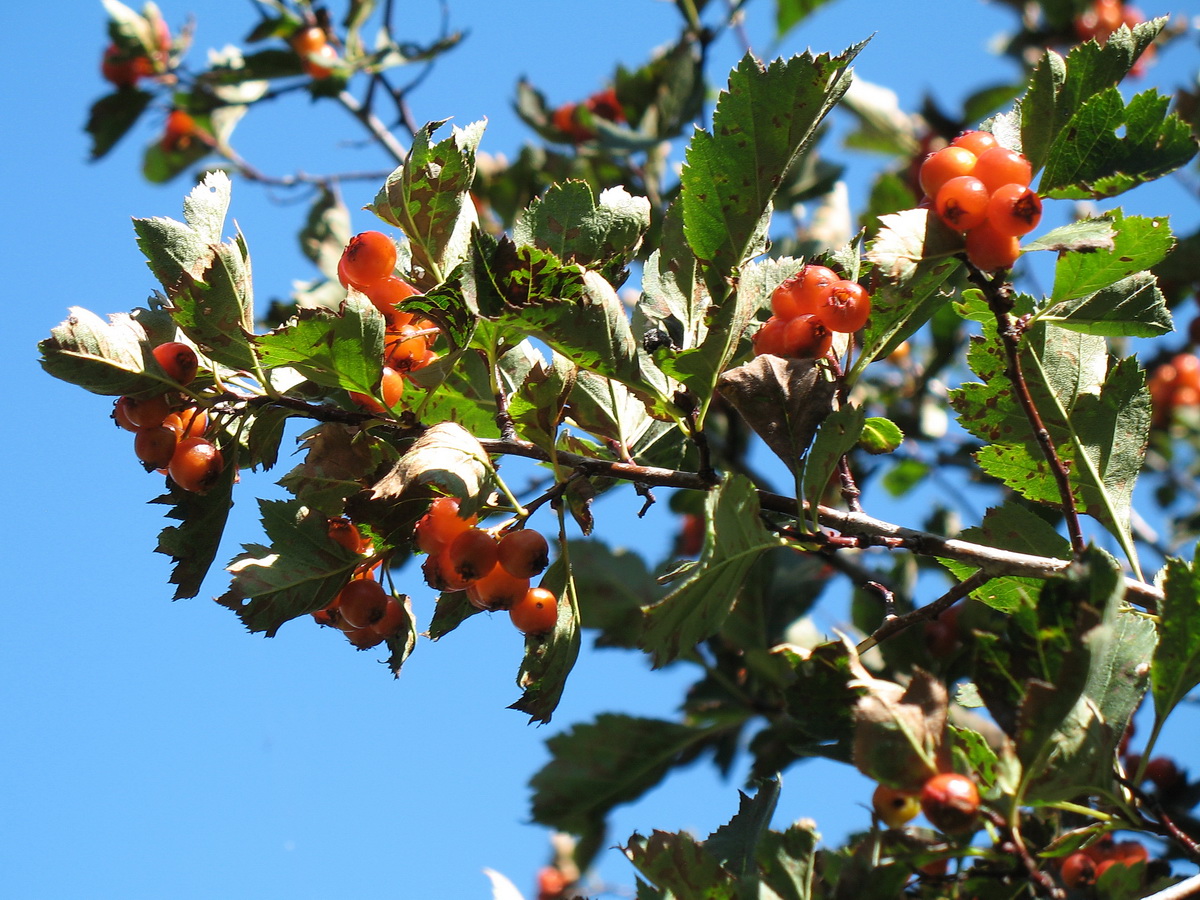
<point x="536" y="612"/>
<point x="404" y="347"/>
<point x="989" y="250"/>
<point x="120" y="413"/>
<point x="440" y="574"/>
<point x="962" y="203"/>
<point x="344" y="532"/>
<point x="895" y="807"/>
<point x="391" y="388"/>
<point x="523" y="553"/>
<point x="392" y="619"/>
<point x="497" y="589"/>
<point x="473" y="553"/>
<point x="308" y="40"/>
<point x="363" y="638"/>
<point x="950" y="802"/>
<point x="1078" y="871"/>
<point x="440" y="525"/>
<point x="179" y="132"/>
<point x="155" y="446"/>
<point x="361" y="602"/>
<point x="940" y="167"/>
<point x="196" y="465"/>
<point x="124" y="69"/>
<point x="178" y="361"/>
<point x="1014" y="210"/>
<point x="387" y="293"/>
<point x="846" y="307"/>
<point x="803" y="292"/>
<point x="1000" y="166"/>
<point x="321" y="62"/>
<point x="606" y="105"/>
<point x="807" y="337"/>
<point x="978" y="142"/>
<point x="769" y="338"/>
<point x="147" y="412"/>
<point x="1162" y="772"/>
<point x="368" y="258"/>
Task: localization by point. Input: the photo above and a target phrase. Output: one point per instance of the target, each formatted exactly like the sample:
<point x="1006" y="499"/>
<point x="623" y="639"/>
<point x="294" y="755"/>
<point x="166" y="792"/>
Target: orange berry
<point x="770" y="338"/>
<point x="962" y="203"/>
<point x="990" y="250"/>
<point x="369" y="257"/>
<point x="1014" y="210"/>
<point x="940" y="167"/>
<point x="803" y="292"/>
<point x="950" y="802"/>
<point x="361" y="602"/>
<point x="806" y="337"/>
<point x="1000" y="166"/>
<point x="473" y="553"/>
<point x="978" y="142"/>
<point x="524" y="553"/>
<point x="196" y="465"/>
<point x="147" y="412"/>
<point x="441" y="524"/>
<point x="497" y="589"/>
<point x="155" y="446"/>
<point x="178" y="361"/>
<point x="536" y="612"/>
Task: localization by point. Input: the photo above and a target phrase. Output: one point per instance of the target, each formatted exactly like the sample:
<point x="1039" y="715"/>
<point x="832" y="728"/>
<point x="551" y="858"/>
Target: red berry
<point x="124" y="69"/>
<point x="190" y="422"/>
<point x="1014" y="210"/>
<point x="404" y="347"/>
<point x="120" y="413"/>
<point x="196" y="465"/>
<point x="178" y="360"/>
<point x="940" y="167"/>
<point x="950" y="802"/>
<point x="473" y="553"/>
<point x="308" y="40"/>
<point x="989" y="250"/>
<point x="442" y="524"/>
<point x="155" y="446"/>
<point x="440" y="573"/>
<point x="320" y="63"/>
<point x="386" y="293"/>
<point x="803" y="292"/>
<point x="1000" y="166"/>
<point x="606" y="105"/>
<point x="368" y="258"/>
<point x="962" y="203"/>
<point x="1163" y="773"/>
<point x="1078" y="871"/>
<point x="846" y="307"/>
<point x="147" y="412"/>
<point x="361" y="602"/>
<point x="344" y="532"/>
<point x="807" y="337"/>
<point x="523" y="553"/>
<point x="497" y="589"/>
<point x="393" y="617"/>
<point x="179" y="132"/>
<point x="769" y="338"/>
<point x="978" y="142"/>
<point x="536" y="612"/>
<point x="363" y="638"/>
<point x="895" y="807"/>
<point x="391" y="387"/>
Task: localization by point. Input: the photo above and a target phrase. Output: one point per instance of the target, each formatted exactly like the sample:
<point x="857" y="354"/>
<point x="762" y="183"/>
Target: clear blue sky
<point x="154" y="749"/>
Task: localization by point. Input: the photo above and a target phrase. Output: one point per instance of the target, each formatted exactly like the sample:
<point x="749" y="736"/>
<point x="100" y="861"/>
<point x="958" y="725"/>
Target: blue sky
<point x="155" y="749"/>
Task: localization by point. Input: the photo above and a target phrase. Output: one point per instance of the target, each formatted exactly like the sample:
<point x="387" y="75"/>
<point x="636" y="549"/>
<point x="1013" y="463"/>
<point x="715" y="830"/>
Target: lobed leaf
<point x="110" y="358"/>
<point x="193" y="544"/>
<point x="1175" y="669"/>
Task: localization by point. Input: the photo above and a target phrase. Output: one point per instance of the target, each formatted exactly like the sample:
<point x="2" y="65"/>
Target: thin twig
<point x="893" y="625"/>
<point x="378" y="130"/>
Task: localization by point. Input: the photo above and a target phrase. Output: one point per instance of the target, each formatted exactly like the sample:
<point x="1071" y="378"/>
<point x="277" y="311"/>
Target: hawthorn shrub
<point x="482" y="317"/>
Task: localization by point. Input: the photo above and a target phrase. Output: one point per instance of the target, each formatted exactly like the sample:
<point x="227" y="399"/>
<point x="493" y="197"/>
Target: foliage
<point x="1023" y="674"/>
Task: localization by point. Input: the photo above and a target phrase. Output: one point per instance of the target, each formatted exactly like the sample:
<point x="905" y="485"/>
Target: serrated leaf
<point x="1080" y="237"/>
<point x="838" y="434"/>
<point x="1138" y="243"/>
<point x="697" y="608"/>
<point x="783" y="400"/>
<point x="1133" y="307"/>
<point x="788" y="860"/>
<point x="679" y="864"/>
<point x="264" y="436"/>
<point x="299" y="572"/>
<point x="337" y="350"/>
<point x="404" y="641"/>
<point x="576" y="226"/>
<point x="192" y="545"/>
<point x="429" y="197"/>
<point x="337" y="461"/>
<point x="598" y="765"/>
<point x="1176" y="666"/>
<point x="762" y="122"/>
<point x="111" y="117"/>
<point x="111" y="358"/>
<point x="735" y="843"/>
<point x="450" y="611"/>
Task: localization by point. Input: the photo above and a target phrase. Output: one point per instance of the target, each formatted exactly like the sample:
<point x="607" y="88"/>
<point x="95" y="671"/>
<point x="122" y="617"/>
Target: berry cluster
<point x="981" y="189"/>
<point x="1083" y="868"/>
<point x="316" y="53"/>
<point x="169" y="436"/>
<point x="494" y="572"/>
<point x="1172" y="385"/>
<point x="806" y="311"/>
<point x="568" y="118"/>
<point x="949" y="800"/>
<point x="124" y="68"/>
<point x="368" y="265"/>
<point x="362" y="610"/>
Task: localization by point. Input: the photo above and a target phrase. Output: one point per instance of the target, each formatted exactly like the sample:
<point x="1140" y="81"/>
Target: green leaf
<point x="429" y="197"/>
<point x="880" y="435"/>
<point x="838" y="434"/>
<point x="300" y="572"/>
<point x="1138" y="243"/>
<point x="1084" y="236"/>
<point x="788" y="861"/>
<point x="679" y="864"/>
<point x="602" y="764"/>
<point x="193" y="544"/>
<point x="570" y="222"/>
<point x="549" y="658"/>
<point x="618" y="586"/>
<point x="1133" y="307"/>
<point x="734" y="845"/>
<point x="764" y="120"/>
<point x="337" y="350"/>
<point x="450" y="611"/>
<point x="175" y="249"/>
<point x="1176" y="666"/>
<point x="111" y="358"/>
<point x="697" y="608"/>
<point x="216" y="310"/>
<point x="111" y="117"/>
<point x="338" y="460"/>
<point x="790" y="13"/>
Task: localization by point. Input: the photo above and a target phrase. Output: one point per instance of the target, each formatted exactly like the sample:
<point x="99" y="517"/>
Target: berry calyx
<point x="536" y="612"/>
<point x="524" y="553"/>
<point x="846" y="307"/>
<point x="895" y="807"/>
<point x="389" y="623"/>
<point x="1014" y="210"/>
<point x="950" y="802"/>
<point x="178" y="361"/>
<point x="368" y="258"/>
<point x="196" y="465"/>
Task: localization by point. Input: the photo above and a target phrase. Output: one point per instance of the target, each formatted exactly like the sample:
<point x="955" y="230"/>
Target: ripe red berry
<point x="1014" y="210"/>
<point x="190" y="422"/>
<point x="806" y="337"/>
<point x="978" y="142"/>
<point x="179" y="132"/>
<point x="962" y="203"/>
<point x="147" y="412"/>
<point x="895" y="807"/>
<point x="803" y="292"/>
<point x="124" y="69"/>
<point x="940" y="167"/>
<point x="441" y="524"/>
<point x="155" y="446"/>
<point x="361" y="602"/>
<point x="308" y="40"/>
<point x="196" y="465"/>
<point x="473" y="553"/>
<point x="846" y="307"/>
<point x="497" y="589"/>
<point x="950" y="802"/>
<point x="321" y="62"/>
<point x="989" y="250"/>
<point x="344" y="532"/>
<point x="1163" y="773"/>
<point x="120" y="413"/>
<point x="769" y="338"/>
<point x="386" y="293"/>
<point x="363" y="638"/>
<point x="440" y="573"/>
<point x="404" y="347"/>
<point x="536" y="612"/>
<point x="368" y="258"/>
<point x="1078" y="871"/>
<point x="393" y="617"/>
<point x="523" y="553"/>
<point x="391" y="387"/>
<point x="1000" y="166"/>
<point x="178" y="361"/>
